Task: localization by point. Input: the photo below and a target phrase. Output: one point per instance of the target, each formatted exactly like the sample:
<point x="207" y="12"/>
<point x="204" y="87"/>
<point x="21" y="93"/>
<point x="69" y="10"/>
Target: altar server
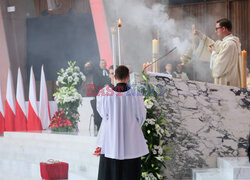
<point x="224" y="54"/>
<point x="120" y="137"/>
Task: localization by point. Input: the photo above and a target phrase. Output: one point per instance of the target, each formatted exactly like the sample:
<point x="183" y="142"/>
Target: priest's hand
<point x="198" y="33"/>
<point x="211" y="48"/>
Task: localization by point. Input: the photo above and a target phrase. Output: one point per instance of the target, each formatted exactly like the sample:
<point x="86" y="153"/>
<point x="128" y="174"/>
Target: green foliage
<point x="155" y="134"/>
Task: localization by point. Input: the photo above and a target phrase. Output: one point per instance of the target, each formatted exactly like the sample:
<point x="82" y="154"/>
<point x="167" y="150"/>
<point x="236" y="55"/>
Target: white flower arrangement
<point x="67" y="96"/>
<point x="159" y="130"/>
<point x="71" y="76"/>
<point x="150" y="176"/>
<point x="150" y="121"/>
<point x="158" y="149"/>
<point x="148" y="103"/>
<point x="160" y="158"/>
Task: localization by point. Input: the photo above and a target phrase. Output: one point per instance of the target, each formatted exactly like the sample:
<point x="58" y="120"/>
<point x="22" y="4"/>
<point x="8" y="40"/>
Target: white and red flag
<point x="44" y="112"/>
<point x="33" y="123"/>
<point x="10" y="105"/>
<point x="1" y="112"/>
<point x="21" y="113"/>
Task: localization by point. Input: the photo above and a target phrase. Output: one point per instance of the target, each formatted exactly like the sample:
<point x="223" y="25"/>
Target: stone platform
<point x="229" y="168"/>
<point x="21" y="154"/>
<point x="205" y="121"/>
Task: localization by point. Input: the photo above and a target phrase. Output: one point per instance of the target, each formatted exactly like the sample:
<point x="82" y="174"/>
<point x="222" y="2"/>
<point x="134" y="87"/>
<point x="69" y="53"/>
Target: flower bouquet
<point x="72" y="76"/>
<point x="67" y="96"/>
<point x="60" y="123"/>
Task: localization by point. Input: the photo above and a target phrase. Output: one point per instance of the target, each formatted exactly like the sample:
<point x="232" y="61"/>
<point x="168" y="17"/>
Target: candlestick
<point x="244" y="69"/>
<point x="113" y="49"/>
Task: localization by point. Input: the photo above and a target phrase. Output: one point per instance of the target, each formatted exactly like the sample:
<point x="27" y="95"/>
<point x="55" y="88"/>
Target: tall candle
<point x="244" y="69"/>
<point x="155" y="46"/>
<point x="119" y="25"/>
<point x="155" y="51"/>
<point x="113" y="49"/>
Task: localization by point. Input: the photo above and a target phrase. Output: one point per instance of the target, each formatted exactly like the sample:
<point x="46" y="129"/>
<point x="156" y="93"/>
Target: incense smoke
<point x="141" y="24"/>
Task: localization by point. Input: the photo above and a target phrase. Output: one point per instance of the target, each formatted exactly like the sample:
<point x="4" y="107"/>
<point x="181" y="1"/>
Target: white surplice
<point x="224" y="61"/>
<point x="123" y="113"/>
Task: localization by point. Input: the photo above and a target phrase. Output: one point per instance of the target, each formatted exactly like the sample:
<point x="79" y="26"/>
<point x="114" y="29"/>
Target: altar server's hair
<point x="225" y="23"/>
<point x="121" y="72"/>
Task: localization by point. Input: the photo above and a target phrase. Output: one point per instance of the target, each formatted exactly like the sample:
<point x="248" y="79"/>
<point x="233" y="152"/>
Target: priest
<point x="120" y="137"/>
<point x="224" y="54"/>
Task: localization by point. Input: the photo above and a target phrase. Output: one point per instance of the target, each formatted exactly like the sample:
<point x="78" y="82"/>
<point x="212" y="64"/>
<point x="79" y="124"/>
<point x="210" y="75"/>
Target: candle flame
<point x="119" y="22"/>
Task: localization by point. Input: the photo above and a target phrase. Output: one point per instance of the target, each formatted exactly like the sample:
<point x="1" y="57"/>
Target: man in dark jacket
<point x="100" y="79"/>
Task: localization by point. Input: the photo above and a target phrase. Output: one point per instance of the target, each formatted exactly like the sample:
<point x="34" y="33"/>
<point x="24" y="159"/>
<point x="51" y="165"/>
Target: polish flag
<point x="1" y="113"/>
<point x="10" y="105"/>
<point x="33" y="122"/>
<point x="21" y="113"/>
<point x="44" y="113"/>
